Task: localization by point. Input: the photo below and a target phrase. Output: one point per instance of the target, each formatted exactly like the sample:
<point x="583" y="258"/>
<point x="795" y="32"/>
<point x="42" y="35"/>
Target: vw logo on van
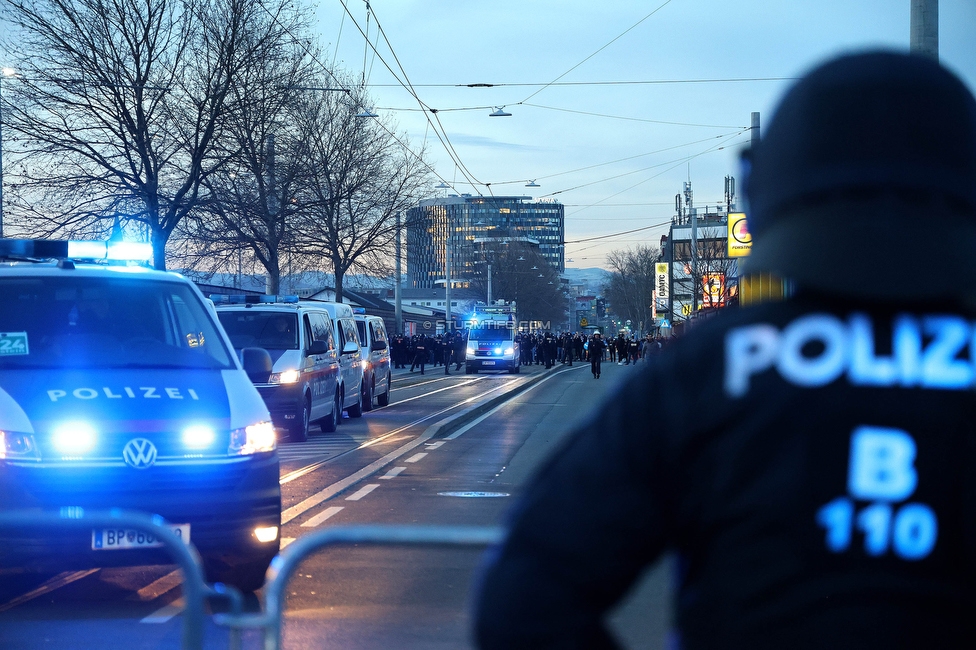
<point x="139" y="453"/>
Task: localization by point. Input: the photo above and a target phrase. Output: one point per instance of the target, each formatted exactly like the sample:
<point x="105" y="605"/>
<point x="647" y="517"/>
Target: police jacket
<point x="812" y="465"/>
<point x="595" y="348"/>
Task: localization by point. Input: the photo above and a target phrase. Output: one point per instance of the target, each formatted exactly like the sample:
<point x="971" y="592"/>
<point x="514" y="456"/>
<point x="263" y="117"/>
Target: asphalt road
<point x="392" y="466"/>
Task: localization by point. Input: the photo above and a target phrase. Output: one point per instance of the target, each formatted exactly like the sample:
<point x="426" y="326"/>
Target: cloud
<point x="482" y="141"/>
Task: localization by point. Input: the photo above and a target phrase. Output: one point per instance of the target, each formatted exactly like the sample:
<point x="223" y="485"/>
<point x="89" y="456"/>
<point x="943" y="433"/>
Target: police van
<point x="377" y="370"/>
<point x="304" y="384"/>
<point x="350" y="356"/>
<point x="493" y="341"/>
<point x="119" y="389"/>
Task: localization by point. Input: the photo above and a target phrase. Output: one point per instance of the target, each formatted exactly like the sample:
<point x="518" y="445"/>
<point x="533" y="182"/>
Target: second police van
<point x="493" y="341"/>
<point x="119" y="389"/>
<point x="377" y="368"/>
<point x="316" y="370"/>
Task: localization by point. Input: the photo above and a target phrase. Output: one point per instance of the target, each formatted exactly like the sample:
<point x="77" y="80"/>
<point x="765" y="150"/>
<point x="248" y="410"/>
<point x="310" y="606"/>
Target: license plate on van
<point x="487" y="363"/>
<point x="117" y="539"/>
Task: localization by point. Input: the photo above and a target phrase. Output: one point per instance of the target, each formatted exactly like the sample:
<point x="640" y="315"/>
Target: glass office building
<point x="469" y="228"/>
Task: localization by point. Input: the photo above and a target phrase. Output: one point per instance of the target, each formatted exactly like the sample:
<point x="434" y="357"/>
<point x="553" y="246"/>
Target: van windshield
<point x="84" y="322"/>
<point x="500" y="332"/>
<point x="250" y="328"/>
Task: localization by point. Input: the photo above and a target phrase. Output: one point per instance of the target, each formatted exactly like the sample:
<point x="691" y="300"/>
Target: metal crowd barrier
<point x="195" y="590"/>
<point x="284" y="565"/>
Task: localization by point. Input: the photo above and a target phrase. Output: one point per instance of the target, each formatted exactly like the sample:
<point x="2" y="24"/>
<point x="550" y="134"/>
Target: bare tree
<point x="520" y="273"/>
<point x="630" y="288"/>
<point x="360" y="177"/>
<point x="257" y="196"/>
<point x="120" y="104"/>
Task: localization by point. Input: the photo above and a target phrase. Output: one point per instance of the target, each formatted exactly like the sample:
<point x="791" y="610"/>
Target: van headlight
<point x="284" y="377"/>
<point x="471" y="351"/>
<point x="17" y="446"/>
<point x="509" y="350"/>
<point x="74" y="438"/>
<point x="252" y="439"/>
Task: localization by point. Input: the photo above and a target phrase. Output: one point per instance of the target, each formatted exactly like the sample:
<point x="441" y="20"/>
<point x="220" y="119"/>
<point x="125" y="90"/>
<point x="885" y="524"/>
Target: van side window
<point x="377" y="331"/>
<point x="350" y="331"/>
<point x="307" y="336"/>
<point x="322" y="329"/>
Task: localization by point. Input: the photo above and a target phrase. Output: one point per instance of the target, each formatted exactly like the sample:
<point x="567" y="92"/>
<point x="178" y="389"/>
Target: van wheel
<point x="331" y="423"/>
<point x="367" y="397"/>
<point x="356" y="410"/>
<point x="299" y="430"/>
<point x="383" y="399"/>
<point x="515" y="370"/>
<point x="468" y="370"/>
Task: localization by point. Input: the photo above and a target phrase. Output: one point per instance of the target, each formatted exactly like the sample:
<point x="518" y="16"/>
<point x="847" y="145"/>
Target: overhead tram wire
<point x="406" y="84"/>
<point x="621" y="35"/>
<point x="442" y="137"/>
<point x="635" y="119"/>
<point x="619" y="160"/>
<point x="328" y="71"/>
<point x="679" y="161"/>
<point x="646" y="82"/>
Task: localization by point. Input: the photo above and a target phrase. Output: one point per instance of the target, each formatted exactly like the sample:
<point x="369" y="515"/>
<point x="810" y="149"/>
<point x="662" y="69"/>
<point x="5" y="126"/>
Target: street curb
<point x="456" y="421"/>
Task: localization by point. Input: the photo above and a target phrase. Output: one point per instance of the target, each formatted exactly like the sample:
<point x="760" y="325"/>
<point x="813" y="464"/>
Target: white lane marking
<point x="164" y="614"/>
<point x="157" y="588"/>
<point x="416" y="457"/>
<point x="56" y="582"/>
<point x="376" y="465"/>
<point x="363" y="491"/>
<point x="302" y="471"/>
<point x="285" y="541"/>
<point x="322" y="516"/>
<point x="439" y="390"/>
<point x="393" y="472"/>
<point x="419" y="383"/>
<point x="476" y="422"/>
<point x="435" y="445"/>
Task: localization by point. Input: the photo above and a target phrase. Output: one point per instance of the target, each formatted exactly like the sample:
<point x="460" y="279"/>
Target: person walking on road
<point x="420" y="353"/>
<point x="812" y="460"/>
<point x="595" y="349"/>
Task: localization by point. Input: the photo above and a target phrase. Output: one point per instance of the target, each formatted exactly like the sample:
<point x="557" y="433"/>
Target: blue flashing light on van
<point x="119" y="389"/>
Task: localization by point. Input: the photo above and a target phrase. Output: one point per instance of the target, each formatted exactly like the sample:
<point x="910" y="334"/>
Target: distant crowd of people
<point x="539" y="348"/>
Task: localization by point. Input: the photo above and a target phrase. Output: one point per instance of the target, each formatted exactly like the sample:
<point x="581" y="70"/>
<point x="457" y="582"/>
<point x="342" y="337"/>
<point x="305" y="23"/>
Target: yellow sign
<point x="504" y="210"/>
<point x="740" y="240"/>
<point x="686" y="310"/>
<point x="584" y="322"/>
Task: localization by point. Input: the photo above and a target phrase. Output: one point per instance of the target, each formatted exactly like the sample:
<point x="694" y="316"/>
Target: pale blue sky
<point x="536" y="41"/>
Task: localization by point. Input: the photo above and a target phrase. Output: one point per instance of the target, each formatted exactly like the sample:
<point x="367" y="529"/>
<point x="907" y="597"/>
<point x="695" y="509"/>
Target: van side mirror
<point x="350" y="347"/>
<point x="377" y="346"/>
<point x="318" y="347"/>
<point x="257" y="364"/>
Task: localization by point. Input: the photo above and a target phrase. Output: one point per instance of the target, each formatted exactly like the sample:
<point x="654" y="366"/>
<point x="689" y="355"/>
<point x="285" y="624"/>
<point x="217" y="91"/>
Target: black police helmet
<point x="864" y="184"/>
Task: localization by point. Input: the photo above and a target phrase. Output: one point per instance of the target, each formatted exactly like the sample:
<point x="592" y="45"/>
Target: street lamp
<point x="5" y="72"/>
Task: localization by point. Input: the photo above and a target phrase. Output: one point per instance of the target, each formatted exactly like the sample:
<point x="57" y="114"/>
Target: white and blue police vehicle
<point x="493" y="341"/>
<point x="377" y="368"/>
<point x="119" y="389"/>
<point x="306" y="382"/>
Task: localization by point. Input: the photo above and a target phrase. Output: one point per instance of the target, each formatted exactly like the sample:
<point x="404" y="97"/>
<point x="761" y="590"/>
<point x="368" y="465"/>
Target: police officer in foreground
<point x="812" y="461"/>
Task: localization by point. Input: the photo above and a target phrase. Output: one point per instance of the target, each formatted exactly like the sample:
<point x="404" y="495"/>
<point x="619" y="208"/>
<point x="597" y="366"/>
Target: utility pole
<point x="754" y="140"/>
<point x="689" y="205"/>
<point x="925" y="28"/>
<point x="398" y="299"/>
<point x="447" y="274"/>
